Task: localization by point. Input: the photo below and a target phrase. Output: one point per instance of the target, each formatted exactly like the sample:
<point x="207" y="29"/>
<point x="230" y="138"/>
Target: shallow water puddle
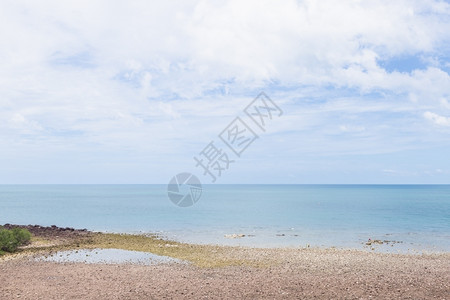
<point x="108" y="256"/>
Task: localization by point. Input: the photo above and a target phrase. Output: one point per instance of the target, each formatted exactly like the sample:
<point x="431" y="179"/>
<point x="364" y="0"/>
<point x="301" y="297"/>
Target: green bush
<point x="23" y="236"/>
<point x="11" y="239"/>
<point x="7" y="241"/>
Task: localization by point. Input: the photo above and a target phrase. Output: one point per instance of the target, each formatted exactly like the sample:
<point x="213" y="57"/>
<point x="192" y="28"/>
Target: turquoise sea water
<point x="411" y="217"/>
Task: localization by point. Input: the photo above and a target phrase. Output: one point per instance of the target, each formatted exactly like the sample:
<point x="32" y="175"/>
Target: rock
<point x="371" y="242"/>
<point x="234" y="236"/>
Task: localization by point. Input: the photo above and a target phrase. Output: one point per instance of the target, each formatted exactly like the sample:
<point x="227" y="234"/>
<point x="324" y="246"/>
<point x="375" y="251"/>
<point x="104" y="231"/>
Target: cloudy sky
<point x="131" y="91"/>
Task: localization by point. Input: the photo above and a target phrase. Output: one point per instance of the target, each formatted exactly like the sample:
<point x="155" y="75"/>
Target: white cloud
<point x="350" y="128"/>
<point x="445" y="103"/>
<point x="437" y="119"/>
<point x="189" y="48"/>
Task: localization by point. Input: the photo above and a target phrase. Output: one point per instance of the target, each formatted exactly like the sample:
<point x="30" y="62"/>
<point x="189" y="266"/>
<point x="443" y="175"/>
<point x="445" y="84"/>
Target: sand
<point x="244" y="273"/>
<point x="313" y="273"/>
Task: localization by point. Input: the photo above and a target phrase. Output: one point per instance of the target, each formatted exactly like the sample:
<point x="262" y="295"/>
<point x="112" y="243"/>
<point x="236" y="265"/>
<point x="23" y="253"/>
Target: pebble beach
<point x="218" y="272"/>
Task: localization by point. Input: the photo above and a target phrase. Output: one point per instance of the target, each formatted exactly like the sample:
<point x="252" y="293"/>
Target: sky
<point x="125" y="92"/>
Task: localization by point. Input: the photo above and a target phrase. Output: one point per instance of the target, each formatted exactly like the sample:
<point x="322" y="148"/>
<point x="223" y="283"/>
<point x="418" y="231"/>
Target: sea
<point x="400" y="218"/>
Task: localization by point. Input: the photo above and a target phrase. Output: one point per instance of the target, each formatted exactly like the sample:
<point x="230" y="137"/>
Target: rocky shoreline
<point x="49" y="231"/>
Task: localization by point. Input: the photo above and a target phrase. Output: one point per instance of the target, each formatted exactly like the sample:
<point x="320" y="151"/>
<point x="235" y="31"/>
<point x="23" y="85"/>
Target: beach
<point x="218" y="272"/>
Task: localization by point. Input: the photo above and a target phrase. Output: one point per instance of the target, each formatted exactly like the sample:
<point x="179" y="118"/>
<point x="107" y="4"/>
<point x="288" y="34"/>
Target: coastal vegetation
<point x="11" y="239"/>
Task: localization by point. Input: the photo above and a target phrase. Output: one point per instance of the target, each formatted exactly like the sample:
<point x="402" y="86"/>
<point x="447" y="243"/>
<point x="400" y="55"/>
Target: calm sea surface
<point x="410" y="217"/>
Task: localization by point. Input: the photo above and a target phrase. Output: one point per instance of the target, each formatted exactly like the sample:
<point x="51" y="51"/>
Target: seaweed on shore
<point x="47" y="240"/>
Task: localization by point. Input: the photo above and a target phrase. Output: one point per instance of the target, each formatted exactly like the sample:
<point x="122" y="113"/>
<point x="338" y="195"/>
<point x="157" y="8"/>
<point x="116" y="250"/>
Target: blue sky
<point x="129" y="93"/>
